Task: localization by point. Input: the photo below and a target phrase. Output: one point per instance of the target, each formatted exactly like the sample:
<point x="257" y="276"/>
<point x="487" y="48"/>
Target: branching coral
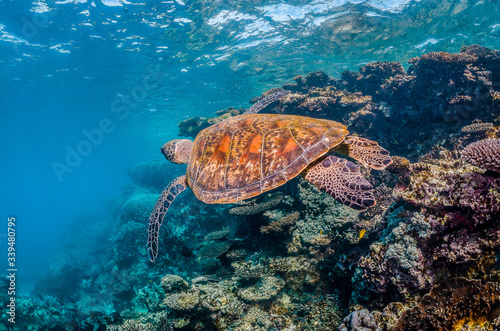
<point x="484" y="154"/>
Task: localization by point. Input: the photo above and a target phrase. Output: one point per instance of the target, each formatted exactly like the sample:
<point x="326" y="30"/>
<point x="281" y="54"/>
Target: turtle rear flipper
<point x="368" y="152"/>
<point x="168" y="195"/>
<point x="343" y="181"/>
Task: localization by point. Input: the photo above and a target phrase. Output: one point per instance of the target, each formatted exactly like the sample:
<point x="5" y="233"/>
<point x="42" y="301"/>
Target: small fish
<point x="362" y="233"/>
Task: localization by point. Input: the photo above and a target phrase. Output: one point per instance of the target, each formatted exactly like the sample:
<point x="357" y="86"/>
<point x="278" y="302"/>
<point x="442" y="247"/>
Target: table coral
<point x="269" y="202"/>
<point x="213" y="249"/>
<point x="278" y="225"/>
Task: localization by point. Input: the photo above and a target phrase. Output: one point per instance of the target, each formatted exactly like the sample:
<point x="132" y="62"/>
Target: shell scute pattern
<point x="250" y="154"/>
<point x="245" y="157"/>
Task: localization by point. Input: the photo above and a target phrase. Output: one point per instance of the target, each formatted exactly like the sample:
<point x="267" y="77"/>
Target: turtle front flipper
<point x="262" y="103"/>
<point x="368" y="152"/>
<point x="161" y="207"/>
<point x="343" y="181"/>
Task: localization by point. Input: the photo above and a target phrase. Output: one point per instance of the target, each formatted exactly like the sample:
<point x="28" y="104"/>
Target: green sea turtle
<point x="246" y="155"/>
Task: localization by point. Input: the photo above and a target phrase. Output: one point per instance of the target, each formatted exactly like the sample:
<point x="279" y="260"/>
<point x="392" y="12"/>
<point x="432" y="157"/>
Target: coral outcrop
<point x="454" y="304"/>
<point x="484" y="154"/>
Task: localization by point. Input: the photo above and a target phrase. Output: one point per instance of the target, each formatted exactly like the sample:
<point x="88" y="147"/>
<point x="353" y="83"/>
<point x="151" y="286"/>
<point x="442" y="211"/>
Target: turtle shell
<point x="247" y="155"/>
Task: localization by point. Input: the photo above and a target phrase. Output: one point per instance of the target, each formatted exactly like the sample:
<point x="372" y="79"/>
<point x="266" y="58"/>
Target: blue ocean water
<point x="89" y="89"/>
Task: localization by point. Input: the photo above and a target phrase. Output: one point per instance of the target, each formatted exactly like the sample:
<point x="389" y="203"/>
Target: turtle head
<point x="178" y="150"/>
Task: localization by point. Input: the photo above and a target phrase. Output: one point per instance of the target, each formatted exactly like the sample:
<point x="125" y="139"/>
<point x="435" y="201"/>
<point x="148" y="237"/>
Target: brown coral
<point x="453" y="303"/>
<point x="484" y="154"/>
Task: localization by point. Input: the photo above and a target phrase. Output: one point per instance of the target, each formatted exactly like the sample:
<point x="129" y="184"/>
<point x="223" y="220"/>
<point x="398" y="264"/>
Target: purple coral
<point x="484" y="154"/>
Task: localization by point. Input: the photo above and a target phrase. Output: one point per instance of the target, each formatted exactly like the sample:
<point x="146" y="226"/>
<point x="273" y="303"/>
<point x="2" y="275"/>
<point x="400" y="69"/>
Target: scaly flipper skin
<point x="368" y="152"/>
<point x="161" y="207"/>
<point x="343" y="181"/>
<point x="262" y="103"/>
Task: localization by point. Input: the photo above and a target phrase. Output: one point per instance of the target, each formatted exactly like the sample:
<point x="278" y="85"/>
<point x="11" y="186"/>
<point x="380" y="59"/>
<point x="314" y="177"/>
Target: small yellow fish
<point x="362" y="233"/>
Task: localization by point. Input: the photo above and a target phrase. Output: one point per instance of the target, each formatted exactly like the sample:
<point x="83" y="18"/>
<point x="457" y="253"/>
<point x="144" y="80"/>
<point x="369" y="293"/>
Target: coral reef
<point x="452" y="304"/>
<point x="477" y="127"/>
<point x="154" y="175"/>
<point x="277" y="226"/>
<point x="297" y="259"/>
<point x="266" y="288"/>
<point x="218" y="235"/>
<point x="138" y="208"/>
<point x="192" y="126"/>
<point x="484" y="154"/>
<point x="213" y="249"/>
<point x="359" y="320"/>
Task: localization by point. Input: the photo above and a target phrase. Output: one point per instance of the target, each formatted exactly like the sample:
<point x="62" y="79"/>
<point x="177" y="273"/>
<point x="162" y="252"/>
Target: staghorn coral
<point x="359" y="320"/>
<point x="271" y="201"/>
<point x="277" y="226"/>
<point x="484" y="154"/>
<point x="453" y="303"/>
